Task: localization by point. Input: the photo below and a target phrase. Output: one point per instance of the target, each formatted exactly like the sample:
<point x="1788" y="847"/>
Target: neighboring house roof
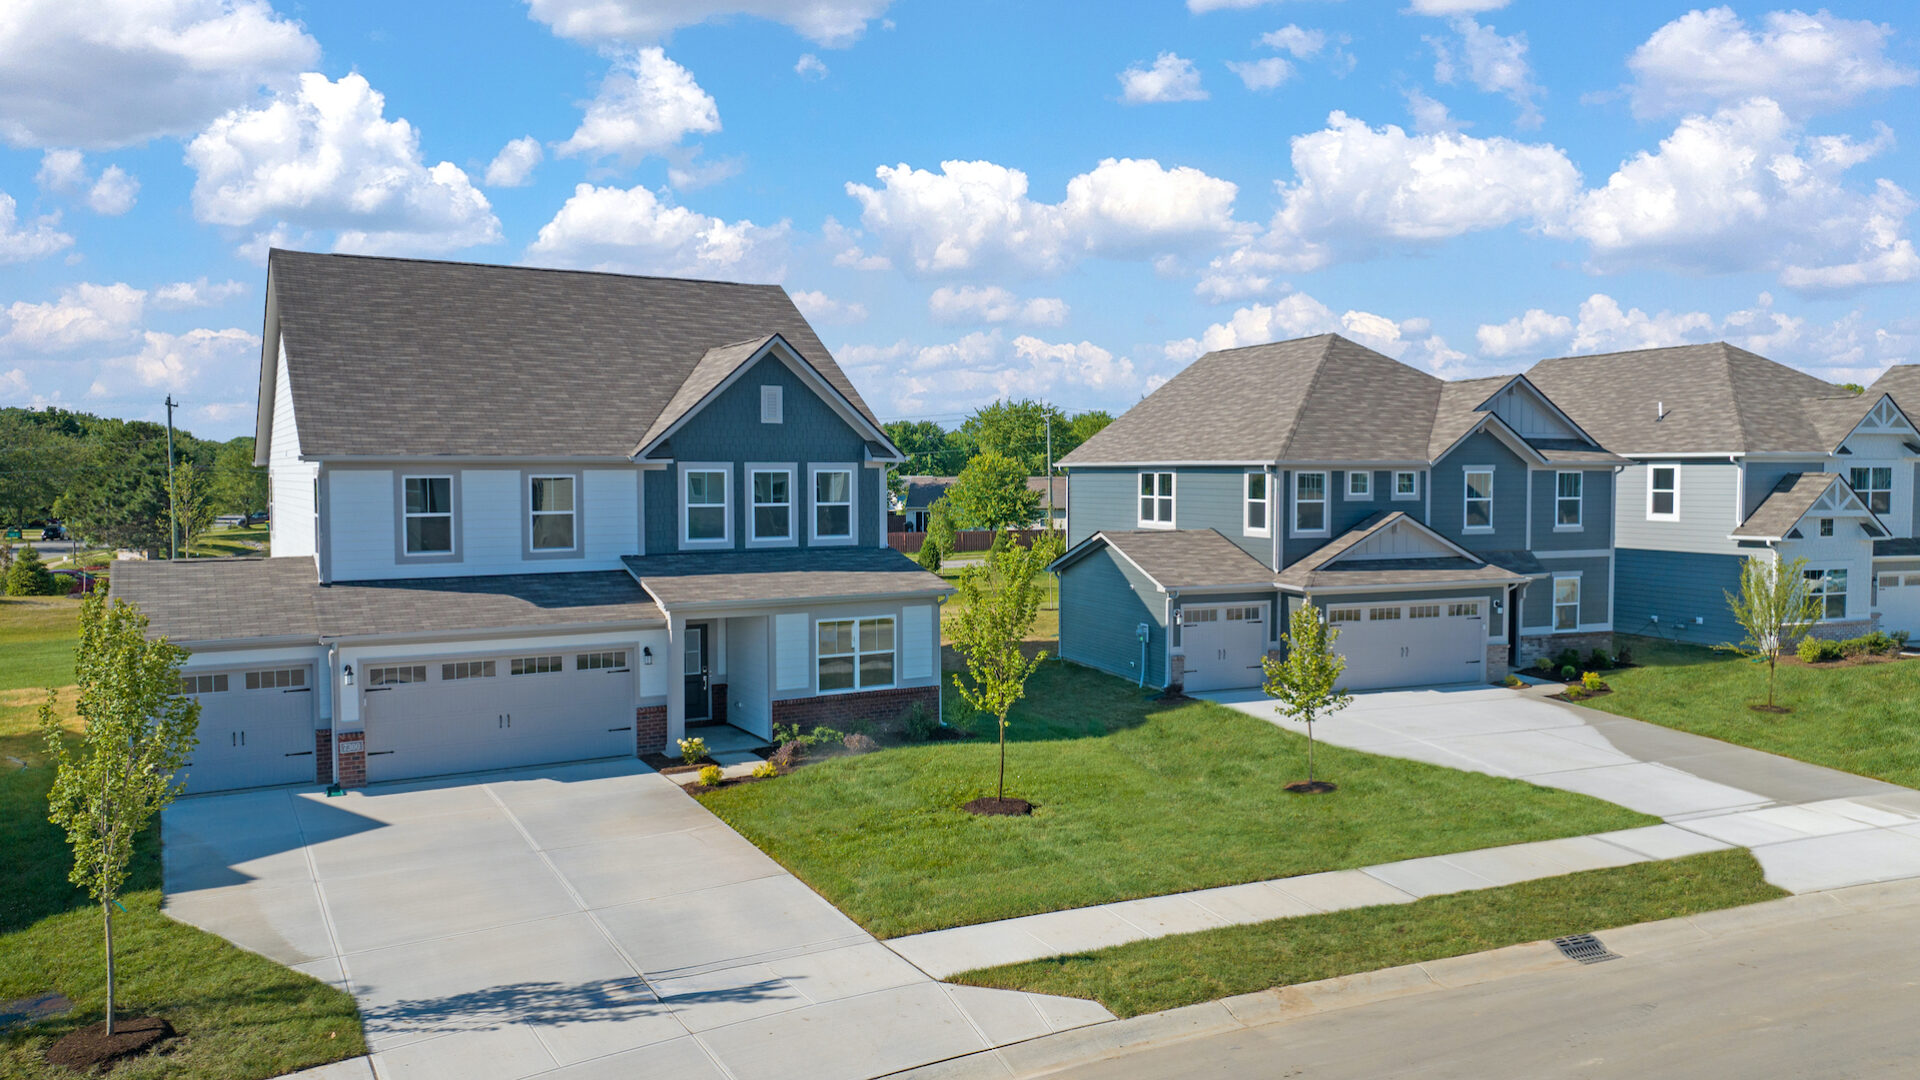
<point x="1900" y="546"/>
<point x="1794" y="497"/>
<point x="1039" y="484"/>
<point x="924" y="491"/>
<point x="1321" y="400"/>
<point x="280" y="600"/>
<point x="1713" y="398"/>
<point x="693" y="580"/>
<point x="407" y="357"/>
<point x="1178" y="558"/>
<point x="1328" y="568"/>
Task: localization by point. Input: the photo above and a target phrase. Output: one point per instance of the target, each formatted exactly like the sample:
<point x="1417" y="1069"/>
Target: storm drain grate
<point x="1585" y="948"/>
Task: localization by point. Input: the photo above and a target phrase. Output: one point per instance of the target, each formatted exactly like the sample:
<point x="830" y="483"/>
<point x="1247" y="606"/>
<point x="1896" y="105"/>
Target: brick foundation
<point x="1497" y="667"/>
<point x="650" y="730"/>
<point x="353" y="759"/>
<point x="1176" y="672"/>
<point x="1535" y="646"/>
<point x="717" y="706"/>
<point x="323" y="756"/>
<point x="884" y="708"/>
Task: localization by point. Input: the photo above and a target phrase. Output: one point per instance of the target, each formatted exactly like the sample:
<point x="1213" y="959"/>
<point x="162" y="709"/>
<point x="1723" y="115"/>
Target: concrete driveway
<point x="578" y="921"/>
<point x="1811" y="828"/>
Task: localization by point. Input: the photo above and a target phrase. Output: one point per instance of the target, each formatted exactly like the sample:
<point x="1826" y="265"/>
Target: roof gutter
<point x="791" y="601"/>
<point x="490" y="632"/>
<point x="472" y="459"/>
<point x="1301" y="590"/>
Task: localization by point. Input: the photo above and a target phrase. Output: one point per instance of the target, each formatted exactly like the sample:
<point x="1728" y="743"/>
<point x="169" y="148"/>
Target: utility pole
<point x="173" y="519"/>
<point x="1049" y="470"/>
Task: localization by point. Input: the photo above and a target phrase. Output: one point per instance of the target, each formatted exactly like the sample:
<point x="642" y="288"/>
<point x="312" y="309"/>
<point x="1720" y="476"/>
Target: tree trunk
<point x="1003" y="757"/>
<point x="107" y="907"/>
<point x="1309" y="752"/>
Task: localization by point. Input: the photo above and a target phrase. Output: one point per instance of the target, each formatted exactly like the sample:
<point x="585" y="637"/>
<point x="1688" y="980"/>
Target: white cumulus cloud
<point x="114" y="192"/>
<point x="84" y="314"/>
<point x="818" y="307"/>
<point x="1494" y="62"/>
<point x="325" y="157"/>
<point x="64" y="172"/>
<point x="993" y="304"/>
<point x="1807" y="63"/>
<point x="810" y="66"/>
<point x="985" y="366"/>
<point x="631" y="229"/>
<point x="1170" y="78"/>
<point x="833" y="23"/>
<point x="1266" y="73"/>
<point x="192" y="294"/>
<point x="115" y="72"/>
<point x="646" y="105"/>
<point x="1298" y="315"/>
<point x="513" y="166"/>
<point x="175" y="361"/>
<point x="1524" y="333"/>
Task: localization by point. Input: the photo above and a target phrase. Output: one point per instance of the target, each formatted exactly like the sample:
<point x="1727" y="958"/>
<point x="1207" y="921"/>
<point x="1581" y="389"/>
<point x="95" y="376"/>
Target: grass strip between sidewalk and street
<point x="1184" y="969"/>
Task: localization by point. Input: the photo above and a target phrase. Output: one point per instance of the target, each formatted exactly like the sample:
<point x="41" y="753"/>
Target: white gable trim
<point x="1521" y="381"/>
<point x="1419" y="527"/>
<point x="272" y="349"/>
<point x="1377" y="543"/>
<point x="1885" y="418"/>
<point x="1502" y="431"/>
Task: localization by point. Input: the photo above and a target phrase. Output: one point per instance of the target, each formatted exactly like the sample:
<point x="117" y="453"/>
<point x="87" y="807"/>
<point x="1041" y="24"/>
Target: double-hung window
<point x="772" y="493"/>
<point x="1566" y="603"/>
<point x="1478" y="511"/>
<point x="1874" y="485"/>
<point x="1359" y="485"/>
<point x="428" y="510"/>
<point x="706" y="517"/>
<point x="1663" y="493"/>
<point x="1566" y="500"/>
<point x="1256" y="523"/>
<point x="832" y="505"/>
<point x="550" y="499"/>
<point x="1406" y="484"/>
<point x="1309" y="503"/>
<point x="1156" y="500"/>
<point x="1829" y="589"/>
<point x="855" y="654"/>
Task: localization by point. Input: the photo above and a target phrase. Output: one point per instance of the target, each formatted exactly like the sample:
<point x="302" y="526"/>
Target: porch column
<point x="675" y="662"/>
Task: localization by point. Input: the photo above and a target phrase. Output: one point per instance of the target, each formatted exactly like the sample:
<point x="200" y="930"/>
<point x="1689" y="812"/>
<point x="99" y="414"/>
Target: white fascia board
<point x="269" y="369"/>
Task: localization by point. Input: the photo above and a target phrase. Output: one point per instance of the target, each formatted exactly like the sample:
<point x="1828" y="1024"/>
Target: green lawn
<point x="1147" y="976"/>
<point x="1135" y="798"/>
<point x="1046" y="622"/>
<point x="241" y="1015"/>
<point x="1863" y="719"/>
<point x="243" y="540"/>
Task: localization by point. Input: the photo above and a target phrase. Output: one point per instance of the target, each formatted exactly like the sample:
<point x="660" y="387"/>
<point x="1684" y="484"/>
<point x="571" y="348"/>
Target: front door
<point x="696" y="672"/>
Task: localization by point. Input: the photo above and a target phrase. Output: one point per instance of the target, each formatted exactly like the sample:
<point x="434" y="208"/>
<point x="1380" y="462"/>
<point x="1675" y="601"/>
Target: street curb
<point x="1082" y="1046"/>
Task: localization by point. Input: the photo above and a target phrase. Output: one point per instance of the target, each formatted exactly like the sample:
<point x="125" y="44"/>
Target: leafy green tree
<point x="998" y="601"/>
<point x="992" y="493"/>
<point x="30" y="469"/>
<point x="1018" y="430"/>
<point x="1305" y="685"/>
<point x="119" y="497"/>
<point x="238" y="486"/>
<point x="940" y="530"/>
<point x="930" y="448"/>
<point x="138" y="733"/>
<point x="928" y="556"/>
<point x="1776" y="607"/>
<point x="192" y="502"/>
<point x="29" y="576"/>
<point x="1082" y="427"/>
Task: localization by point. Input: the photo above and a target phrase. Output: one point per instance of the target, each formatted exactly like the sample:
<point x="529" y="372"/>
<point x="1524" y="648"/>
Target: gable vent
<point x="772" y="405"/>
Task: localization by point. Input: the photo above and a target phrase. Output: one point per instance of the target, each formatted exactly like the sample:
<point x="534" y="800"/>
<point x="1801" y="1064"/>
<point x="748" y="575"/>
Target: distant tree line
<point x="1013" y="429"/>
<point x="106" y="479"/>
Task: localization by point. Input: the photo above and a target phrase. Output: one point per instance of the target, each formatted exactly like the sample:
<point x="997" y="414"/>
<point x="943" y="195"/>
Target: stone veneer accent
<point x="1497" y="666"/>
<point x="1841" y="630"/>
<point x="1176" y="671"/>
<point x="353" y="759"/>
<point x="1535" y="646"/>
<point x="883" y="707"/>
<point x="323" y="755"/>
<point x="650" y="730"/>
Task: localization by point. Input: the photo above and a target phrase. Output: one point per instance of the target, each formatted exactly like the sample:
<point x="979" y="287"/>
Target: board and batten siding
<point x="1886" y="451"/>
<point x="1449" y="482"/>
<point x="1596" y="512"/>
<point x="1536" y="608"/>
<point x="1849" y="549"/>
<point x="1102" y="600"/>
<point x="1343" y="511"/>
<point x="292" y="524"/>
<point x="1708" y="504"/>
<point x="1677" y="587"/>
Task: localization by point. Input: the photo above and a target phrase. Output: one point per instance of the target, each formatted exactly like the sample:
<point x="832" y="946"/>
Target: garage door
<point x="256" y="728"/>
<point x="1411" y="644"/>
<point x="1223" y="646"/>
<point x="1900" y="603"/>
<point x="428" y="717"/>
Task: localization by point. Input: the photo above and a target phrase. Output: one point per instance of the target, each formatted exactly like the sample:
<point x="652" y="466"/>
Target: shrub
<point x="862" y="726"/>
<point x="766" y="770"/>
<point x="710" y="776"/>
<point x="1899" y="640"/>
<point x="1879" y="643"/>
<point x="1624" y="658"/>
<point x="1590" y="682"/>
<point x="823" y="735"/>
<point x="693" y="749"/>
<point x="1568" y="672"/>
<point x="1567" y="658"/>
<point x="929" y="557"/>
<point x="785" y="733"/>
<point x="788" y="756"/>
<point x="1575" y="693"/>
<point x="1815" y="650"/>
<point x="1512" y="682"/>
<point x="860" y="744"/>
<point x="28" y="576"/>
<point x="920" y="723"/>
<point x="1599" y="661"/>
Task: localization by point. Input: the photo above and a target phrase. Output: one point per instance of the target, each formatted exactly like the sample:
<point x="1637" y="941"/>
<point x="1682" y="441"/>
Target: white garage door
<point x="429" y="717"/>
<point x="1392" y="643"/>
<point x="1223" y="646"/>
<point x="256" y="728"/>
<point x="1900" y="603"/>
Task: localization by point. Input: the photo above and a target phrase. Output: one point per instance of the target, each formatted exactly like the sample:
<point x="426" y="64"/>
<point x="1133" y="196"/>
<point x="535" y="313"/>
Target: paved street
<point x="1818" y="994"/>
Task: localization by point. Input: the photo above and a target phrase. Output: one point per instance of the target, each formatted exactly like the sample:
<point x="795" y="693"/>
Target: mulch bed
<point x="731" y="781"/>
<point x="91" y="1046"/>
<point x="1585" y="695"/>
<point x="989" y="806"/>
<point x="1788" y="659"/>
<point x="661" y="763"/>
<point x="1776" y="710"/>
<point x="1312" y="787"/>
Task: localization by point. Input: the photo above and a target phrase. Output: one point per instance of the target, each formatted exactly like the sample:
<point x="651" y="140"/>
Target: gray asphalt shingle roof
<point x="409" y="357"/>
<point x="1322" y="568"/>
<point x="698" y="579"/>
<point x="1180" y="558"/>
<point x="1717" y="399"/>
<point x="711" y="370"/>
<point x="221" y="599"/>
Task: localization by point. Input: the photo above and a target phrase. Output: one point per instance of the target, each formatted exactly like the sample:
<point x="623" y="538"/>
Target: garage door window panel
<point x="468" y="669"/>
<point x="601" y="661"/>
<point x="396" y="675"/>
<point x="535" y="665"/>
<point x="195" y="685"/>
<point x="276" y="679"/>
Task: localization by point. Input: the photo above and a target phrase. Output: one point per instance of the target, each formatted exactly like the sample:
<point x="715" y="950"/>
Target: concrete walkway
<point x="580" y="921"/>
<point x="1811" y="828"/>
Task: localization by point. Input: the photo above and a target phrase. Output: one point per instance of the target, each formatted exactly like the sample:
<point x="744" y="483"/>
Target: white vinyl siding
<point x="916" y="641"/>
<point x="290" y="481"/>
<point x="791" y="656"/>
<point x="1663" y="493"/>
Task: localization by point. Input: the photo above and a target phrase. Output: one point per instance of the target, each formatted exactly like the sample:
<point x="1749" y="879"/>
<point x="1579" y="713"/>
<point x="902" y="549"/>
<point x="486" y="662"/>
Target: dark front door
<point x="696" y="670"/>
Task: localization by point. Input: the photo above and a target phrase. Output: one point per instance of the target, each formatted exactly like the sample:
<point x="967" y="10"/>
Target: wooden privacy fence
<point x="963" y="539"/>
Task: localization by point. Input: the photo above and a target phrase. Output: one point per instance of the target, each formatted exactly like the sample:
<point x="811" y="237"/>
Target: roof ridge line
<point x="524" y="266"/>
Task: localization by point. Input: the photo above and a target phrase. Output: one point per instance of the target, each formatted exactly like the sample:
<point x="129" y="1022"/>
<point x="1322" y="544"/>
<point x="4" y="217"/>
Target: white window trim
<point x="1360" y="496"/>
<point x="1846" y="605"/>
<point x="1579" y="502"/>
<point x="856" y="620"/>
<point x="573" y="514"/>
<point x="773" y="404"/>
<point x="1325" y="501"/>
<point x="792" y="539"/>
<point x="453" y="509"/>
<point x="1866" y="493"/>
<point x="1466" y="497"/>
<point x="853" y="504"/>
<point x="1414" y="495"/>
<point x="1675" y="516"/>
<point x="1553" y="614"/>
<point x="1247" y="502"/>
<point x="1172" y="497"/>
<point x="725" y="469"/>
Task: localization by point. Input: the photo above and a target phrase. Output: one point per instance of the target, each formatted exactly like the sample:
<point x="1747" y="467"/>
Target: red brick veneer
<point x="323" y="756"/>
<point x="353" y="759"/>
<point x="883" y="707"/>
<point x="649" y="730"/>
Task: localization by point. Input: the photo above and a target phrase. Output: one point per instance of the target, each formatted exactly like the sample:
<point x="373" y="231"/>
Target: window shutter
<point x="916" y="641"/>
<point x="790" y="652"/>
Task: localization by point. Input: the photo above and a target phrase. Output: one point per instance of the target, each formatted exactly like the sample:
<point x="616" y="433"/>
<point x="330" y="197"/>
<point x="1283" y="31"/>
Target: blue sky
<point x="1068" y="201"/>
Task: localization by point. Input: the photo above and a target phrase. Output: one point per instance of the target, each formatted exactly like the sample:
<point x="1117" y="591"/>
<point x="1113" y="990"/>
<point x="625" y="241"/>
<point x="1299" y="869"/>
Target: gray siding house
<point x="523" y="516"/>
<point x="1450" y="529"/>
<point x="1733" y="455"/>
